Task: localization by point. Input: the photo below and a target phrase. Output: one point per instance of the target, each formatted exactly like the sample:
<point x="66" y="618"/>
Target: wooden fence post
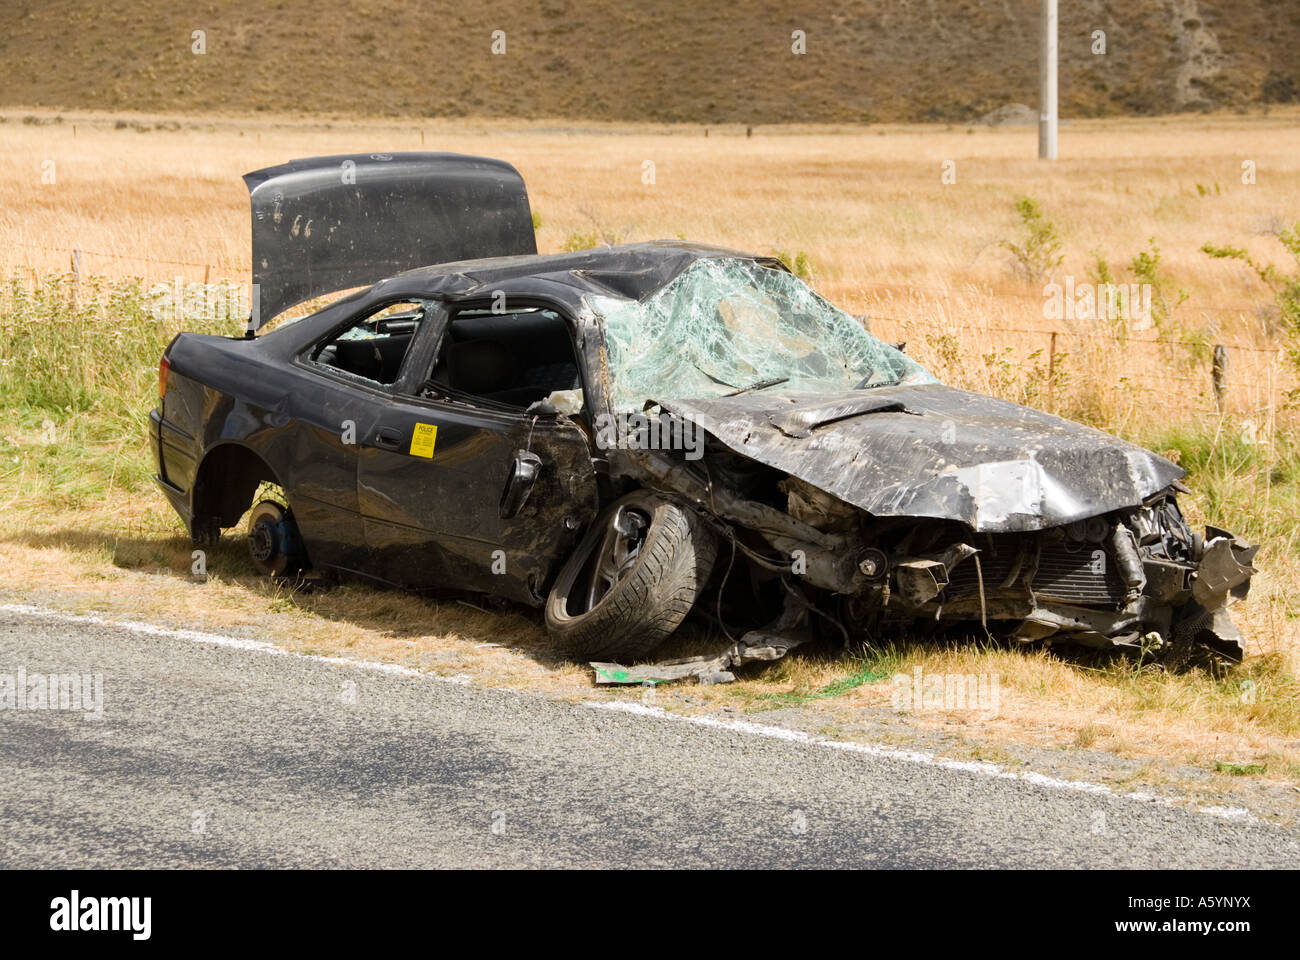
<point x="76" y="277"/>
<point x="1219" y="372"/>
<point x="1051" y="372"/>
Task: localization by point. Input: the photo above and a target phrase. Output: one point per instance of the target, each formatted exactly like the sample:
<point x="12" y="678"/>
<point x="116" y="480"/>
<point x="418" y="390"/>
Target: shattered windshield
<point x="725" y="326"/>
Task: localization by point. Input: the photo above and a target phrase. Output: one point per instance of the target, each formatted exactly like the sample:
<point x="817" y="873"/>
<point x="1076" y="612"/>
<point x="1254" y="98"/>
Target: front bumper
<point x="1116" y="588"/>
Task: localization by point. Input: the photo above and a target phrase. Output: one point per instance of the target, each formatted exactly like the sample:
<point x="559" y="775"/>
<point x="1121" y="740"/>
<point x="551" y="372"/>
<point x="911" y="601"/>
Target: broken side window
<point x="514" y="359"/>
<point x="373" y="347"/>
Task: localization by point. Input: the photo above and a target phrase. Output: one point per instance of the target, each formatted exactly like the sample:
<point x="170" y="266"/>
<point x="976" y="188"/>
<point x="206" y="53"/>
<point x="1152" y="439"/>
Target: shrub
<point x="1040" y="253"/>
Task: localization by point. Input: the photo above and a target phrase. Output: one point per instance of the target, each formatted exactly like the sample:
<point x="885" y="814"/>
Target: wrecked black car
<point x="622" y="435"/>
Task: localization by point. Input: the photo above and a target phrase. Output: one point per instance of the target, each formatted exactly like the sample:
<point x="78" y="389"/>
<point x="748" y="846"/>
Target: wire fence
<point x="1252" y="376"/>
<point x="1214" y="383"/>
<point x="75" y="255"/>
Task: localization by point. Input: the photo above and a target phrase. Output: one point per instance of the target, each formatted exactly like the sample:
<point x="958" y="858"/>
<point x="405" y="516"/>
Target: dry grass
<point x="884" y="235"/>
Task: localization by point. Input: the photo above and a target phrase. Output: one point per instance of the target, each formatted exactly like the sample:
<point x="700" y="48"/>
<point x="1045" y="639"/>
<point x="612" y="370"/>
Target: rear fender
<point x="227" y="479"/>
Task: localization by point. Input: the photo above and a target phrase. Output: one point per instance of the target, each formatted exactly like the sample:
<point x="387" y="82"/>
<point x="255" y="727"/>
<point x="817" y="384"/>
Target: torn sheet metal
<point x="1224" y="571"/>
<point x="753" y="647"/>
<point x="771" y="642"/>
<point x="921" y="579"/>
<point x="927" y="450"/>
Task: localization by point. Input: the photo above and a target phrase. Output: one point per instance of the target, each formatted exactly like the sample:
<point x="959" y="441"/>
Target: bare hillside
<point x="659" y="60"/>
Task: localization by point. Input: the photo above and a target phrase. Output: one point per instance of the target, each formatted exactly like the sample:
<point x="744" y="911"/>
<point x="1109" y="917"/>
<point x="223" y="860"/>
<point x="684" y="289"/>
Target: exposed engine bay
<point x="1138" y="578"/>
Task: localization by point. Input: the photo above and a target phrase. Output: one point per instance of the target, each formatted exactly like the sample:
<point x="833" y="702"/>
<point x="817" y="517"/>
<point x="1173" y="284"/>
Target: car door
<point x="321" y="484"/>
<point x="431" y="478"/>
<point x="344" y="385"/>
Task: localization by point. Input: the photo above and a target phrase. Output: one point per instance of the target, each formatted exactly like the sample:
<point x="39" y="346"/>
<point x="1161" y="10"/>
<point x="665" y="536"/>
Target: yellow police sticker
<point x="422" y="440"/>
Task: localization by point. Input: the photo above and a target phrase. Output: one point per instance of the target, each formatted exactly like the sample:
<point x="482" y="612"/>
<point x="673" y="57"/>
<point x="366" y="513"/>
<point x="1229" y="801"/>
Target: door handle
<point x="388" y="437"/>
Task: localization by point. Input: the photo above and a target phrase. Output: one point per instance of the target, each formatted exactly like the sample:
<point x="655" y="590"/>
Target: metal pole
<point x="1047" y="83"/>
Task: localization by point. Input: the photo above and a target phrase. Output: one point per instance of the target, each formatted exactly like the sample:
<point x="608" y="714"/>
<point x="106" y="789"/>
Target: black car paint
<point x="324" y="224"/>
<point x="929" y="450"/>
<point x="367" y="508"/>
<point x="239" y="411"/>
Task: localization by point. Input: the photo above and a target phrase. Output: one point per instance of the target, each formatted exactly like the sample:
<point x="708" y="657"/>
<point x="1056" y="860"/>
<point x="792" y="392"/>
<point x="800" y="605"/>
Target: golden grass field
<point x="882" y="234"/>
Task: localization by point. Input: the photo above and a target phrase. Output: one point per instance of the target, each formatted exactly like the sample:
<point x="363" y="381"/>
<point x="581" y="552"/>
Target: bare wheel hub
<point x="263" y="540"/>
<point x="617" y="552"/>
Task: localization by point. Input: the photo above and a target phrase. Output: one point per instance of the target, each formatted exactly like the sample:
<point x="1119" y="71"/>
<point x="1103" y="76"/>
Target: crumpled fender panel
<point x="935" y="451"/>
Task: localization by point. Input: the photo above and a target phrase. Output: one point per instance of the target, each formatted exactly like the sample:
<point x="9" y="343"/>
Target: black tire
<point x="653" y="590"/>
<point x="273" y="540"/>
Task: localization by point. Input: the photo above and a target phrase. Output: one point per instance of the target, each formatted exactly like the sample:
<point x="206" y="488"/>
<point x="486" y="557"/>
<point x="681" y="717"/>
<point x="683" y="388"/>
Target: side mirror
<point x="523" y="475"/>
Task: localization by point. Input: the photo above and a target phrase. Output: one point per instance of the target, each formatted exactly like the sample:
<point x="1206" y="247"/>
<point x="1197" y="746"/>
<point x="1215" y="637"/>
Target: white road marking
<point x="919" y="757"/>
<point x="221" y="640"/>
<point x="1235" y="814"/>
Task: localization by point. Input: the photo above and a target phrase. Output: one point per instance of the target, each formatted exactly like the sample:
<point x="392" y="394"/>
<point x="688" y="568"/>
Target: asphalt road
<point x="219" y="757"/>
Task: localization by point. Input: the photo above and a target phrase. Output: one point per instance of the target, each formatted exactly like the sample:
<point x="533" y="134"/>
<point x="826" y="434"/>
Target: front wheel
<point x="632" y="579"/>
<point x="273" y="540"/>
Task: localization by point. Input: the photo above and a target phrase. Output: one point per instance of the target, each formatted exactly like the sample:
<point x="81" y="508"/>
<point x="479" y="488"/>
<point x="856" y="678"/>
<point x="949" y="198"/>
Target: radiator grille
<point x="1070" y="576"/>
<point x="1064" y="574"/>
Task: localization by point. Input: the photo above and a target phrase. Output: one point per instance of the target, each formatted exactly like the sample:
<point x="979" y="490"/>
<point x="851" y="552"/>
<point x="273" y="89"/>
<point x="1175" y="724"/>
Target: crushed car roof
<point x="632" y="271"/>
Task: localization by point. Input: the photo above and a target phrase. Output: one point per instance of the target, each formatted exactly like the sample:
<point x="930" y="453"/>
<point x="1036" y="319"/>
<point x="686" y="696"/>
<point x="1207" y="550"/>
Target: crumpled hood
<point x="935" y="451"/>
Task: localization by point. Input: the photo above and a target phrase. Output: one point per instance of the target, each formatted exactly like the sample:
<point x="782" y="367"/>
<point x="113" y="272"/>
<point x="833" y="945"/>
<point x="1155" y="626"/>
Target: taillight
<point x="163" y="367"/>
